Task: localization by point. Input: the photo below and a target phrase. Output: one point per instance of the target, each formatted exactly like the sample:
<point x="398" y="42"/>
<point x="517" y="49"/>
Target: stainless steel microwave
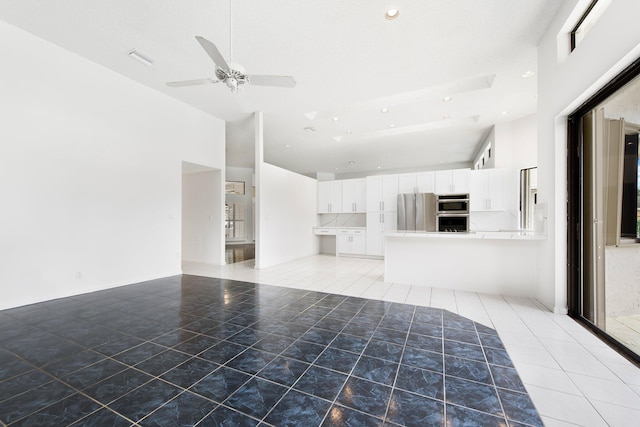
<point x="452" y="204"/>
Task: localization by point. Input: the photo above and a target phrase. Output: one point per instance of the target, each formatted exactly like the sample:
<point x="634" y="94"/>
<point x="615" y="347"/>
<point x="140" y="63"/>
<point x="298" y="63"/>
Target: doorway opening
<point x="202" y="214"/>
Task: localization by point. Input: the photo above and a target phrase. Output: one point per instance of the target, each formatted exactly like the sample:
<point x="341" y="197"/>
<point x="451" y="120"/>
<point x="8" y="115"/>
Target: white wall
<point x="245" y="175"/>
<point x="514" y="147"/>
<point x="202" y="214"/>
<point x="90" y="173"/>
<point x="488" y="162"/>
<point x="612" y="44"/>
<point x="287" y="216"/>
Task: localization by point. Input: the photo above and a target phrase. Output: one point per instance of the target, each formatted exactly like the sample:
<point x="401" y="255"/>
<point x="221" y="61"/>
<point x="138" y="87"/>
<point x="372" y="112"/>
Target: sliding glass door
<point x="604" y="249"/>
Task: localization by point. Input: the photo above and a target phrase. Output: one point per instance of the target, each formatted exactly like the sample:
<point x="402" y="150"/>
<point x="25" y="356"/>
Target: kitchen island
<point x="495" y="262"/>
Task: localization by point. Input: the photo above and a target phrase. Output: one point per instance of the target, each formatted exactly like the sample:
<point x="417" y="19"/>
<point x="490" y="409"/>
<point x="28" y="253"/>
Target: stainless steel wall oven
<point x="452" y="213"/>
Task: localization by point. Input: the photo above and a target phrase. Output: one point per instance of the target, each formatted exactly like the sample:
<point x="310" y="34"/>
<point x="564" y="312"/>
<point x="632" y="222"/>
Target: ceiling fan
<point x="234" y="78"/>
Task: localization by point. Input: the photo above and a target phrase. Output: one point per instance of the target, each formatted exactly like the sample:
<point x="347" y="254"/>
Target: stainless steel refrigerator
<point x="417" y="212"/>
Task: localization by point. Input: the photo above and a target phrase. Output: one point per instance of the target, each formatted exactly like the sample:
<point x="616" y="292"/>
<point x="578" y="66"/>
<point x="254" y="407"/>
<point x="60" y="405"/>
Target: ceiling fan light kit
<point x="233" y="76"/>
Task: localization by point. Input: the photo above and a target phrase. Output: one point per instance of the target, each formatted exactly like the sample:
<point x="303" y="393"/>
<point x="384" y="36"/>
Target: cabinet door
<point x="389" y="193"/>
<point x="495" y="184"/>
<point x="374" y="193"/>
<point x="389" y="221"/>
<point x="354" y="195"/>
<point x="382" y="193"/>
<point x="374" y="234"/>
<point x="486" y="190"/>
<point x="348" y="195"/>
<point x="426" y="182"/>
<point x="358" y="244"/>
<point x="360" y="199"/>
<point x="460" y="181"/>
<point x="443" y="182"/>
<point x="407" y="183"/>
<point x="478" y="190"/>
<point x="335" y="196"/>
<point x="323" y="196"/>
<point x="452" y="181"/>
<point x="343" y="243"/>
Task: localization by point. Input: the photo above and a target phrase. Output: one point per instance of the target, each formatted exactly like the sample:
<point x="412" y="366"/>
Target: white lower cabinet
<point x="351" y="242"/>
<point x="377" y="224"/>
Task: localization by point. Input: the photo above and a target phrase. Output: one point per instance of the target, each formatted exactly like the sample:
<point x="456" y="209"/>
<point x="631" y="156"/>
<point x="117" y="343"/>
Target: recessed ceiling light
<point x="504" y="113"/>
<point x="288" y="145"/>
<point x="528" y="74"/>
<point x="352" y="162"/>
<point x="310" y="129"/>
<point x="335" y="119"/>
<point x="392" y="125"/>
<point x="447" y="99"/>
<point x="384" y="110"/>
<point x="392" y="14"/>
<point x="379" y="167"/>
<point x="141" y="57"/>
<point x="349" y="132"/>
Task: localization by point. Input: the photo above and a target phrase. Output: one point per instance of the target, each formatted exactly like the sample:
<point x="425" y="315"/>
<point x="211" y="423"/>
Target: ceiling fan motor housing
<point x="232" y="78"/>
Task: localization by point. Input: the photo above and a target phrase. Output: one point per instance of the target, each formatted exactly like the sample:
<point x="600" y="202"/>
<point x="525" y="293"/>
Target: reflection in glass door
<point x="603" y="213"/>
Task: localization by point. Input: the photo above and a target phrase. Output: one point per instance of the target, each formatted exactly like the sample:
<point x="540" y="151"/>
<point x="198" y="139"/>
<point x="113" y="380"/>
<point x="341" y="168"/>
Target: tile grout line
<point x="395" y="379"/>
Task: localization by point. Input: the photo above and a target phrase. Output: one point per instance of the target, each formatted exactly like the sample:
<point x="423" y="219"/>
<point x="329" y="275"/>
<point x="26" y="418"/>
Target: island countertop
<point x="488" y="234"/>
<point x="494" y="262"/>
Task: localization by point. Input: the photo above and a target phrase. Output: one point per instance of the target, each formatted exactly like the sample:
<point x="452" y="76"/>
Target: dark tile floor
<point x="190" y="350"/>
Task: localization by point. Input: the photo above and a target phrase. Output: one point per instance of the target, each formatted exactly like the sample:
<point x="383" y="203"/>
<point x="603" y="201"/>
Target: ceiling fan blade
<point x="213" y="53"/>
<point x="278" y="81"/>
<point x="191" y="82"/>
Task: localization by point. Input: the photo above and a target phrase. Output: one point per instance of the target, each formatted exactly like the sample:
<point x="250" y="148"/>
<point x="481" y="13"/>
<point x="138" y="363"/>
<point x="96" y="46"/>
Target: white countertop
<point x="489" y="235"/>
<point x="335" y="227"/>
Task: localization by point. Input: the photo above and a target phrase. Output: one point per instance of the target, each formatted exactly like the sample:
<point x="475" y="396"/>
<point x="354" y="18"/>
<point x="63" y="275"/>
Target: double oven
<point x="452" y="212"/>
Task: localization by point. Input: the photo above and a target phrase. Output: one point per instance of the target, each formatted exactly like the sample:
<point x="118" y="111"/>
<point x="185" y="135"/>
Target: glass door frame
<point x="575" y="289"/>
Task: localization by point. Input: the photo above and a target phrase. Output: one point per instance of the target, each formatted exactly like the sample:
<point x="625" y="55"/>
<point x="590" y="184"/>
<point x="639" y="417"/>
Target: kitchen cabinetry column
<point x="382" y="194"/>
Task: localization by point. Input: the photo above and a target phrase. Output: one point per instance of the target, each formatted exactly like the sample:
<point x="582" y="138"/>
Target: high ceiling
<point x="348" y="60"/>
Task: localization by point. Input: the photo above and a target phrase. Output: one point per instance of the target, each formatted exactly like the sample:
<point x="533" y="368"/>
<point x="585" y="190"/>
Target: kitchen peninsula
<point x="495" y="262"/>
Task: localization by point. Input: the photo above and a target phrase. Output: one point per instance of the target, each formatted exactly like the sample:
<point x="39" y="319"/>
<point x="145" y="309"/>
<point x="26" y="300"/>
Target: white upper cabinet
<point x="421" y="182"/>
<point x="407" y="183"/>
<point x="426" y="182"/>
<point x="382" y="193"/>
<point x="486" y="190"/>
<point x="452" y="181"/>
<point x="354" y="195"/>
<point x="330" y="197"/>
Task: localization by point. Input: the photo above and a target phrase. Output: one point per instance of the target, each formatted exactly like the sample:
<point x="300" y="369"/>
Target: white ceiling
<point x="347" y="59"/>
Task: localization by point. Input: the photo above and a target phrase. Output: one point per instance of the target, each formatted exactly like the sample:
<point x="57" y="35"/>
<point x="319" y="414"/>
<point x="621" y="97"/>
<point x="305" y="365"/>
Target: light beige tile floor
<point x="572" y="377"/>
